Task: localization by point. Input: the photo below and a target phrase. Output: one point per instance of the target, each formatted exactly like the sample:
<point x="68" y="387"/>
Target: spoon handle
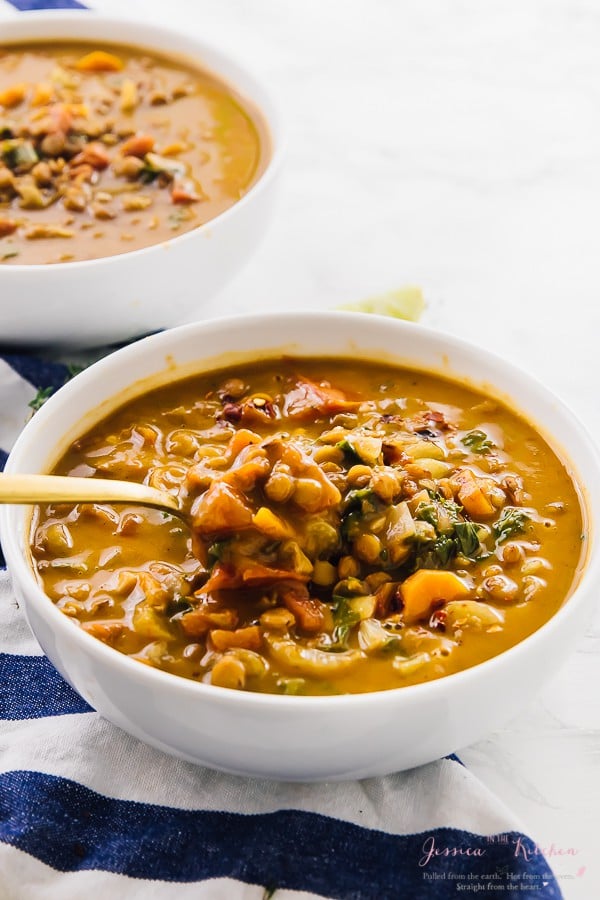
<point x="69" y="489"/>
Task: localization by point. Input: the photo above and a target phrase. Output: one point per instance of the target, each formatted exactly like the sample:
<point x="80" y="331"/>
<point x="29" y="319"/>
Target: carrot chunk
<point x="308" y="398"/>
<point x="12" y="96"/>
<point x="240" y="439"/>
<point x="138" y="145"/>
<point x="94" y="155"/>
<point x="184" y="192"/>
<point x="99" y="61"/>
<point x="471" y="496"/>
<point x="308" y="612"/>
<point x="7" y="226"/>
<point x="421" y="591"/>
<point x="220" y="510"/>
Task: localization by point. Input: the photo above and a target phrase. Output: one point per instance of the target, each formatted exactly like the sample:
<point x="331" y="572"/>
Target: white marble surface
<point x="452" y="144"/>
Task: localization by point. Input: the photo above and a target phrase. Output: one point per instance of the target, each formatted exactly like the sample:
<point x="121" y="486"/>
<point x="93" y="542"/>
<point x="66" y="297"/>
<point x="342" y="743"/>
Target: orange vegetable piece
<point x="471" y="496"/>
<point x="198" y="621"/>
<point x="272" y="525"/>
<point x="173" y="149"/>
<point x="250" y="464"/>
<point x="247" y="573"/>
<point x="154" y="591"/>
<point x="421" y="591"/>
<point x="81" y="173"/>
<point x="224" y="577"/>
<point x="220" y="511"/>
<point x="137" y="145"/>
<point x="13" y="95"/>
<point x="94" y="155"/>
<point x="7" y="226"/>
<point x="42" y="94"/>
<point x="183" y="192"/>
<point x="242" y="438"/>
<point x="250" y="638"/>
<point x="255" y="575"/>
<point x="308" y="612"/>
<point x="78" y="110"/>
<point x="105" y="631"/>
<point x="99" y="61"/>
<point x="308" y="398"/>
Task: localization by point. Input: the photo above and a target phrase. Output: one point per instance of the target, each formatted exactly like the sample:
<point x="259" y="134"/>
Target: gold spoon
<point x="69" y="489"/>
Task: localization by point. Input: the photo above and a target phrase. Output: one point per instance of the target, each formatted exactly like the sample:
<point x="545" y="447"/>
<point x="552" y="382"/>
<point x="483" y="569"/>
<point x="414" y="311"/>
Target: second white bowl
<point x="115" y="298"/>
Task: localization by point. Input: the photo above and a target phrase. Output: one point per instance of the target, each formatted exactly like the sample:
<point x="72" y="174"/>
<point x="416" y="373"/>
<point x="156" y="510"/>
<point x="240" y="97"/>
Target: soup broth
<point x="106" y="149"/>
<point x="354" y="527"/>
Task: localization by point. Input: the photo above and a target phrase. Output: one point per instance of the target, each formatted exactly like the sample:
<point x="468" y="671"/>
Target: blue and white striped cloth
<point x="87" y="810"/>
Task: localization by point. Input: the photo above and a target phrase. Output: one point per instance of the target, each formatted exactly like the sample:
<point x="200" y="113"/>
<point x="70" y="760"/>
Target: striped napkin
<point x="87" y="810"/>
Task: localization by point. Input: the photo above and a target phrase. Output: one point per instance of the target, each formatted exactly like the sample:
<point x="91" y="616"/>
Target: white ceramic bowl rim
<point x="267" y="110"/>
<point x="157" y="344"/>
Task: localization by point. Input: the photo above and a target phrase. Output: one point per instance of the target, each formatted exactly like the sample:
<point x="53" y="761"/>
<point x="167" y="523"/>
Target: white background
<point x="454" y="145"/>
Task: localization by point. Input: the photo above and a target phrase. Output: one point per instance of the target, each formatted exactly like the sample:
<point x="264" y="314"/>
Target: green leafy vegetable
<point x="344" y="620"/>
<point x="177" y="606"/>
<point x="358" y="505"/>
<point x="467" y="536"/>
<point x="350" y="525"/>
<point x="444" y="550"/>
<point x="461" y="537"/>
<point x="436" y="554"/>
<point x="346" y="447"/>
<point x="40" y="398"/>
<point x="451" y="508"/>
<point x="218" y="551"/>
<point x="511" y="522"/>
<point x="18" y="154"/>
<point x="155" y="165"/>
<point x="478" y="442"/>
<point x="290" y="686"/>
<point x="426" y="512"/>
<point x="363" y="499"/>
<point x="441" y="513"/>
<point x="179" y="216"/>
<point x="44" y="393"/>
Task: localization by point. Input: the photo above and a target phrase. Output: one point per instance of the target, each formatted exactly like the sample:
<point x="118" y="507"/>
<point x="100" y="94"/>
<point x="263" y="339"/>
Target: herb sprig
<point x="511" y="522"/>
<point x="478" y="442"/>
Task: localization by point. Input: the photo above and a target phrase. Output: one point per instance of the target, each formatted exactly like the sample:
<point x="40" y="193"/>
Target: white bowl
<point x="114" y="298"/>
<point x="297" y="738"/>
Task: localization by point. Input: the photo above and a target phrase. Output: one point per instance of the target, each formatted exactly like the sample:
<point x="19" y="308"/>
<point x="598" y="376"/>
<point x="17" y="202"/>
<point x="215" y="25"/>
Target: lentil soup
<point x="354" y="527"/>
<point x="107" y="149"/>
